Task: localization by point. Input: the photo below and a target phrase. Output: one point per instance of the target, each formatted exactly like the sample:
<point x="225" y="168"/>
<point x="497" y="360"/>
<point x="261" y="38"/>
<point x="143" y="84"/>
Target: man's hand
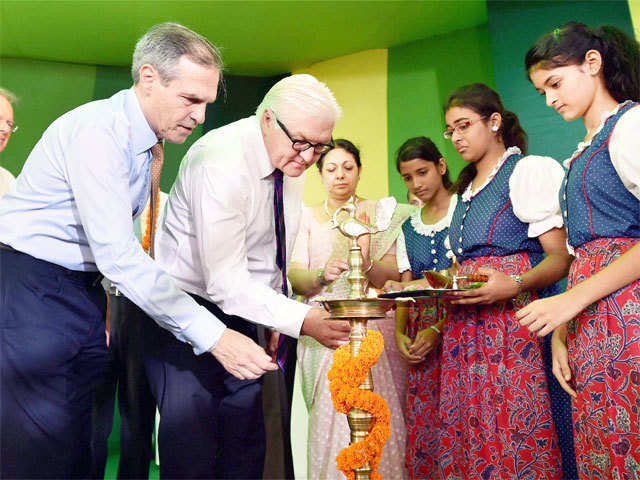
<point x="330" y="333"/>
<point x="241" y="356"/>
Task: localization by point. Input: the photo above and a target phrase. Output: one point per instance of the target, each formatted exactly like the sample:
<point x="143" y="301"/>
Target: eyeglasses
<point x="461" y="128"/>
<point x="12" y="126"/>
<point x="302" y="145"/>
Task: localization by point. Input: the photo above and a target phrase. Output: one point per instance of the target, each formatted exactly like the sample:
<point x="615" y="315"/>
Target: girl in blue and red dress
<point x="594" y="74"/>
<point x="494" y="401"/>
<point x="419" y="247"/>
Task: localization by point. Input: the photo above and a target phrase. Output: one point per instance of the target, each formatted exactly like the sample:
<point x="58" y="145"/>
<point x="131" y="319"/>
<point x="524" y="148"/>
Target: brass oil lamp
<point x="358" y="309"/>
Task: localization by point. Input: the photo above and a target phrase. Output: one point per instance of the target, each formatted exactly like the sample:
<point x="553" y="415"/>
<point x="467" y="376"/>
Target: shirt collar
<point x="142" y="136"/>
<point x="259" y="149"/>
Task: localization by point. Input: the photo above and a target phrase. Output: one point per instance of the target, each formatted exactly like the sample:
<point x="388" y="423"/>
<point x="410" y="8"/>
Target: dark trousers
<point x="125" y="373"/>
<point x="52" y="356"/>
<point x="211" y="423"/>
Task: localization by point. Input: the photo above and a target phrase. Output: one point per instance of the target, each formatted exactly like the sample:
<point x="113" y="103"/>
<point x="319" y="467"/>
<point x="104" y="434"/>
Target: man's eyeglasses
<point x="461" y="128"/>
<point x="12" y="126"/>
<point x="302" y="145"/>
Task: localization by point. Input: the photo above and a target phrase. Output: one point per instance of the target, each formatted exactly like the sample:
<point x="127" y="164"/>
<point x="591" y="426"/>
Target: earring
<point x="494" y="128"/>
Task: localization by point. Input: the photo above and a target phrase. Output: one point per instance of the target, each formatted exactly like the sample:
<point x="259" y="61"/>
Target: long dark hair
<point x="425" y="149"/>
<point x="569" y="44"/>
<point x="485" y="102"/>
<point x="345" y="145"/>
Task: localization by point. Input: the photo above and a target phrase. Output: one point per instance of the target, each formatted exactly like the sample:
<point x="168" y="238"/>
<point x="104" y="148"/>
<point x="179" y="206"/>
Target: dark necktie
<point x="281" y="239"/>
<point x="281" y="253"/>
<point x="156" y="171"/>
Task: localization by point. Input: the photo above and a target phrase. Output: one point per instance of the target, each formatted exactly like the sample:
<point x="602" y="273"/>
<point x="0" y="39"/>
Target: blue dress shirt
<point x="74" y="203"/>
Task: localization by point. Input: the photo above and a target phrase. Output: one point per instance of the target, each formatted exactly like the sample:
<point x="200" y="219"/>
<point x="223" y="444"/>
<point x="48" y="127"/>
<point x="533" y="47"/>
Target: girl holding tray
<point x="419" y="247"/>
<point x="494" y="400"/>
<point x="594" y="74"/>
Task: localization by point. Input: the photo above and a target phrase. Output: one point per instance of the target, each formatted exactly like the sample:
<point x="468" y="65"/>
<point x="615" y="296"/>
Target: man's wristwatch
<point x="518" y="280"/>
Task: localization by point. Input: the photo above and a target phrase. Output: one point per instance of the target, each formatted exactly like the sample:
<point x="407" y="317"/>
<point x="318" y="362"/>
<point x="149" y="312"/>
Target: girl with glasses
<point x="594" y="74"/>
<point x="494" y="401"/>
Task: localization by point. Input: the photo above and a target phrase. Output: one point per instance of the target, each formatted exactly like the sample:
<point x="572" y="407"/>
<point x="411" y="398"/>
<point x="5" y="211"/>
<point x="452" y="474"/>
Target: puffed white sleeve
<point x="402" y="259"/>
<point x="624" y="148"/>
<point x="533" y="189"/>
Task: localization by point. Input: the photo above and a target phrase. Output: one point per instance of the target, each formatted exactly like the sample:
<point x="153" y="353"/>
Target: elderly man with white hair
<point x="231" y="221"/>
<point x="7" y="127"/>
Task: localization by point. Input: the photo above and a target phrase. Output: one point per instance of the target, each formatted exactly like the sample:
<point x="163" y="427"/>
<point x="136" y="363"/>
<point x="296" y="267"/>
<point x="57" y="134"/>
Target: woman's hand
<point x="499" y="287"/>
<point x="547" y="314"/>
<point x="560" y="356"/>
<point x="404" y="342"/>
<point x="426" y="340"/>
<point x="333" y="269"/>
<point x="392" y="286"/>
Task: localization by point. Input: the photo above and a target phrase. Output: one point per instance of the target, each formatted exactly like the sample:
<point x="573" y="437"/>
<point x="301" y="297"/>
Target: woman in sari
<point x="318" y="269"/>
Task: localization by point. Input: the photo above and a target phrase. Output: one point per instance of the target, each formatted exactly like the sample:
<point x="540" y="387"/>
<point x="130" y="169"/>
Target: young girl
<point x="594" y="74"/>
<point x="494" y="402"/>
<point x="420" y="247"/>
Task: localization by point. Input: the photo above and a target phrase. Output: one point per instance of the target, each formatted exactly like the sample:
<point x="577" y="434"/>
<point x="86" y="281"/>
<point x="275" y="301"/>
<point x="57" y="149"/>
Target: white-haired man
<point x="7" y="127"/>
<point x="223" y="242"/>
<point x="69" y="219"/>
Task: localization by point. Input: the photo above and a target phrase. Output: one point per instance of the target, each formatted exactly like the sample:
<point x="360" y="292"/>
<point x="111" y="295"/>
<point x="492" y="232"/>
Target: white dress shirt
<point x="218" y="239"/>
<point x="6" y="181"/>
<point x="74" y="203"/>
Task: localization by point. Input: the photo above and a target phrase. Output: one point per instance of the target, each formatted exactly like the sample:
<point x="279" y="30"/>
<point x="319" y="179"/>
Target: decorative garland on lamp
<point x="146" y="240"/>
<point x="345" y="376"/>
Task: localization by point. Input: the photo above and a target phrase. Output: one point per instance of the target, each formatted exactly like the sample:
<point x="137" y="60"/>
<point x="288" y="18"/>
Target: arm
<point x="545" y="315"/>
<point x="100" y="184"/>
<point x="501" y="286"/>
<point x="307" y="282"/>
<point x="218" y="202"/>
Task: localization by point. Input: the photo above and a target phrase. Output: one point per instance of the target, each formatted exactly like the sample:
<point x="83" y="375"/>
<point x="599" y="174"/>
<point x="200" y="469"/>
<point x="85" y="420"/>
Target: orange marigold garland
<point x="345" y="376"/>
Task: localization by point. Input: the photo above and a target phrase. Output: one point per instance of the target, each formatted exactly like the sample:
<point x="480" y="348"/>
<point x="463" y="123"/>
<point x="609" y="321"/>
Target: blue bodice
<point x="594" y="201"/>
<point x="485" y="225"/>
<point x="425" y="251"/>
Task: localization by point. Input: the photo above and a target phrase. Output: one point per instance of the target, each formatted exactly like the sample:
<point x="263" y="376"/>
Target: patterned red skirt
<point x="604" y="353"/>
<point x="495" y="407"/>
<point x="423" y="393"/>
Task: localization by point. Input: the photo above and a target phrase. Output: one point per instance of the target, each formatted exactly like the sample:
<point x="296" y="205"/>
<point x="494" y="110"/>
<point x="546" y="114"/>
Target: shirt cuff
<point x="290" y="316"/>
<point x="538" y="228"/>
<point x="204" y="333"/>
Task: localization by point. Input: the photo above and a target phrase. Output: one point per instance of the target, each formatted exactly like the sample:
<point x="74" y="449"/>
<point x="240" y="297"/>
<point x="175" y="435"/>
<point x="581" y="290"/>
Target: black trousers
<point x="211" y="423"/>
<point x="125" y="373"/>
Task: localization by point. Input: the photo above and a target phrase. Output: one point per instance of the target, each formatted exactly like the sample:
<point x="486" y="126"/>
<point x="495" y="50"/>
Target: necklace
<point x="353" y="199"/>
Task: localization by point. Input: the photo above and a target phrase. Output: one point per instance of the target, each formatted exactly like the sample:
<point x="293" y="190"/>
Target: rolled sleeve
<point x="533" y="189"/>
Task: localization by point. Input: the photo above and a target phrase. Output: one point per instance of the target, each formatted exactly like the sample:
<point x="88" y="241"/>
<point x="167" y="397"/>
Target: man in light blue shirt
<point x="68" y="220"/>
